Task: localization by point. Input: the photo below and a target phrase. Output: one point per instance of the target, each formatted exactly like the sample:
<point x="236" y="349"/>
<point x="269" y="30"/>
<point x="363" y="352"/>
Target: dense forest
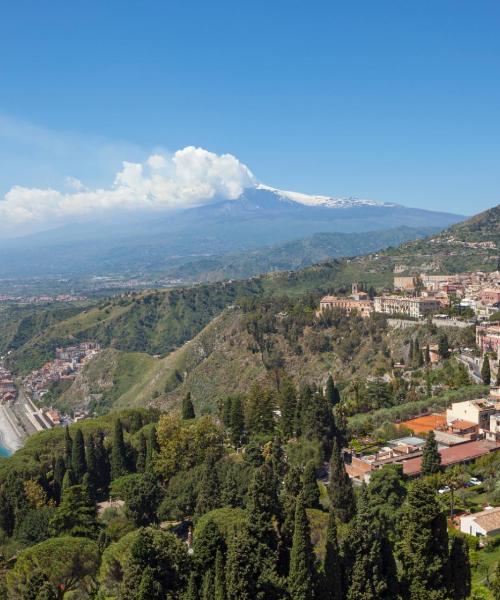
<point x="253" y="503"/>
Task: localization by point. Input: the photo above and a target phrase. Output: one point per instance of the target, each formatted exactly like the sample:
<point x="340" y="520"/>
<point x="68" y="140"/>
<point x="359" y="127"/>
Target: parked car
<point x="444" y="489"/>
<point x="475" y="481"/>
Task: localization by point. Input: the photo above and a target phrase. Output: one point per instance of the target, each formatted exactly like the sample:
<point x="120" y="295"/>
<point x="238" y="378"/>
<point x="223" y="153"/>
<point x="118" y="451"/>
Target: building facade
<point x="410" y="307"/>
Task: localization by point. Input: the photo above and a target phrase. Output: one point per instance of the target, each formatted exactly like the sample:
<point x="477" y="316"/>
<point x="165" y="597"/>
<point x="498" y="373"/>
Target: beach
<point x="11" y="438"/>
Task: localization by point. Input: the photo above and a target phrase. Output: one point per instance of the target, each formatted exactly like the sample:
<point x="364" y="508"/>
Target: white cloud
<point x="190" y="177"/>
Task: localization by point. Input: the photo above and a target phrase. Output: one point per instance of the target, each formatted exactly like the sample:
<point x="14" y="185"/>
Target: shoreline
<point x="10" y="437"/>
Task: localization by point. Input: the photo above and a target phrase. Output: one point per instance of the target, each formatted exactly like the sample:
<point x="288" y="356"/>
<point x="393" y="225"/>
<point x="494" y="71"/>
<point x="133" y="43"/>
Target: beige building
<point x="363" y="307"/>
<point x="473" y="411"/>
<point x="411" y="307"/>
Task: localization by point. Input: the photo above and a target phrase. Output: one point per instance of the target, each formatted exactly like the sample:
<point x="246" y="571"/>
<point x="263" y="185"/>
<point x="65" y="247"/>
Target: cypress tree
<point x="302" y="578"/>
<point x="497" y="382"/>
<point x="310" y="486"/>
<point x="331" y="583"/>
<point x="431" y="459"/>
<point x="427" y="355"/>
<point x="188" y="407"/>
<point x="340" y="487"/>
<point x="288" y="407"/>
<point x="372" y="565"/>
<point x="486" y="370"/>
<point x="59" y="471"/>
<point x="78" y="462"/>
<point x="92" y="475"/>
<point x="153" y="448"/>
<point x="67" y="481"/>
<point x="206" y="544"/>
<point x="292" y="486"/>
<point x="443" y="347"/>
<point x="142" y="450"/>
<point x="102" y="463"/>
<point x="411" y="352"/>
<point x="263" y="506"/>
<point x="118" y="453"/>
<point x="209" y="495"/>
<point x="236" y="422"/>
<point x="208" y="586"/>
<point x="460" y="573"/>
<point x="149" y="587"/>
<point x="331" y="392"/>
<point x="68" y="447"/>
<point x="220" y="577"/>
<point x="243" y="569"/>
<point x="192" y="589"/>
<point x="423" y="545"/>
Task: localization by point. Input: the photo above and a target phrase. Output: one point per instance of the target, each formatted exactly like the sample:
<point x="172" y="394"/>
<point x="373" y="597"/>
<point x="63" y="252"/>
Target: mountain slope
<point x="291" y="255"/>
<point x="161" y="322"/>
<point x="145" y="244"/>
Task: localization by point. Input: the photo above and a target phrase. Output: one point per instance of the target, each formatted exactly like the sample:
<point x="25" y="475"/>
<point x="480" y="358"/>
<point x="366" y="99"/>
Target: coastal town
<point x="23" y="410"/>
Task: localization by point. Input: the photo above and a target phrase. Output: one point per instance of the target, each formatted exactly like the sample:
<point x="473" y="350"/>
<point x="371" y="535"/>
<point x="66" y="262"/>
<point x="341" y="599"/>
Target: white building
<point x="485" y="523"/>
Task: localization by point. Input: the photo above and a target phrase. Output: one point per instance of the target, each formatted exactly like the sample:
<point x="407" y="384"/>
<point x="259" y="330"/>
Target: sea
<point x="4" y="451"/>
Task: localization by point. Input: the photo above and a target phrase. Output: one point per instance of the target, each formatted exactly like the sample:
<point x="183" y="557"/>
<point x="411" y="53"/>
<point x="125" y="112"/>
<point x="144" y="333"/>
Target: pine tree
<point x="188" y="407"/>
<point x="340" y="487"/>
<point x="209" y="494"/>
<point x="423" y="545"/>
<point x="331" y="583"/>
<point x="459" y="567"/>
<point x="288" y="407"/>
<point x="78" y="462"/>
<point x="220" y="577"/>
<point x="76" y="515"/>
<point x="118" y="453"/>
<point x="431" y="459"/>
<point x="486" y="370"/>
<point x="310" y="489"/>
<point x="142" y="450"/>
<point x="302" y="578"/>
<point x="68" y="447"/>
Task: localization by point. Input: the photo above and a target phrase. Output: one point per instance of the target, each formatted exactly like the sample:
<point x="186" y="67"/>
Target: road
<point x="473" y="365"/>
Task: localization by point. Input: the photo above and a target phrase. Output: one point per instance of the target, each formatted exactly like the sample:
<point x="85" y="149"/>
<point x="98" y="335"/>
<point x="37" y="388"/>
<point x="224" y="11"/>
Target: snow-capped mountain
<point x="324" y="201"/>
<point x="261" y="216"/>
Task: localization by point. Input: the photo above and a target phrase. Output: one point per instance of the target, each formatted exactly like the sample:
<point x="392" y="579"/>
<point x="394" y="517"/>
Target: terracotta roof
<point x="462" y="424"/>
<point x="453" y="455"/>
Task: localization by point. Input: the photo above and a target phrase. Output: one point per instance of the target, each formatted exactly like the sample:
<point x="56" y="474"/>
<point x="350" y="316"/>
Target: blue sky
<point x="390" y="100"/>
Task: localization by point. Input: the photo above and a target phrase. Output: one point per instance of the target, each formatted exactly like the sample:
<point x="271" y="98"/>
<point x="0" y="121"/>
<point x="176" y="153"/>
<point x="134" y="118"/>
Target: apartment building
<point x="410" y="307"/>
